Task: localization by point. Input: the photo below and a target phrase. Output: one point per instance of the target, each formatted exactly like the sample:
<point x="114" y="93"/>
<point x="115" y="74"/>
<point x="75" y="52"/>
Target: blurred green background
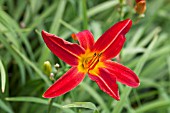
<point x="23" y="52"/>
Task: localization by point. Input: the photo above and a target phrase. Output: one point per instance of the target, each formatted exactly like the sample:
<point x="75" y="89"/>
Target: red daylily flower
<point x="93" y="58"/>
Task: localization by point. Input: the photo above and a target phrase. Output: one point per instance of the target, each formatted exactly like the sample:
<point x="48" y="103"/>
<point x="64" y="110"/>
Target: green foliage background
<point x="23" y="52"/>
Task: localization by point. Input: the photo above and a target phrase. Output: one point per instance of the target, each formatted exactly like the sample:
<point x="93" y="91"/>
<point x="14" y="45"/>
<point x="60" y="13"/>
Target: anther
<point x="94" y="54"/>
<point x="99" y="55"/>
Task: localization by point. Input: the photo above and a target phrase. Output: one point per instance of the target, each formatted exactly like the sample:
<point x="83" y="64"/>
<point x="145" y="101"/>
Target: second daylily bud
<point x="140" y="7"/>
<point x="47" y="68"/>
<point x="74" y="36"/>
<point x="52" y="76"/>
<point x="57" y="65"/>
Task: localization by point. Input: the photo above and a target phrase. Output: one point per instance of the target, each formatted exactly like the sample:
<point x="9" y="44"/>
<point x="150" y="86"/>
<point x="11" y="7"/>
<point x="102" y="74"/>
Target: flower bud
<point x="74" y="37"/>
<point x="47" y="68"/>
<point x="56" y="65"/>
<point x="52" y="76"/>
<point x="140" y="7"/>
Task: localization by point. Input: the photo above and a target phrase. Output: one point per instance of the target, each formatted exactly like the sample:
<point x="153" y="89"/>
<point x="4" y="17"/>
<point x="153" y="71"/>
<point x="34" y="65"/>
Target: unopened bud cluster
<point x="47" y="68"/>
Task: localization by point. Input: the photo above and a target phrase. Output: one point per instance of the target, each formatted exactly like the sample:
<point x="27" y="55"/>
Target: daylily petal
<point x="107" y="82"/>
<point x="64" y="84"/>
<point x="85" y="39"/>
<point x="108" y="38"/>
<point x="114" y="48"/>
<point x="66" y="51"/>
<point x="123" y="74"/>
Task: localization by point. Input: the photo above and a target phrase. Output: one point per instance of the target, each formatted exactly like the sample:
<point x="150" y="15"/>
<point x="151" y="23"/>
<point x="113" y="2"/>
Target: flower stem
<point x="50" y="104"/>
<point x="121" y="2"/>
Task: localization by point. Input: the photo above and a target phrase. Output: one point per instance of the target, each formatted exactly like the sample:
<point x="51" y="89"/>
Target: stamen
<point x="94" y="64"/>
<point x="94" y="54"/>
<point x="99" y="55"/>
<point x="95" y="59"/>
<point x="89" y="63"/>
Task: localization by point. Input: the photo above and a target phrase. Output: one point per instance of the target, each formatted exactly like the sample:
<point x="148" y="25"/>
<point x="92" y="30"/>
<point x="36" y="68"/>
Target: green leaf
<point x="5" y="107"/>
<point x="55" y="25"/>
<point x="168" y="61"/>
<point x="3" y="76"/>
<point x="36" y="100"/>
<point x="84" y="12"/>
<point x="152" y="105"/>
<point x="70" y="27"/>
<point x="102" y="7"/>
<point x="88" y="105"/>
<point x="33" y="66"/>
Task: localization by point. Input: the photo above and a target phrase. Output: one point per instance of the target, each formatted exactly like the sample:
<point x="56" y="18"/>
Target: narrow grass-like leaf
<point x="146" y="55"/>
<point x="168" y="61"/>
<point x="150" y="68"/>
<point x="11" y="35"/>
<point x="102" y="7"/>
<point x="69" y="26"/>
<point x="10" y="4"/>
<point x="162" y="51"/>
<point x="96" y="29"/>
<point x="131" y="50"/>
<point x="17" y="59"/>
<point x="88" y="105"/>
<point x="84" y="12"/>
<point x="97" y="9"/>
<point x="55" y="25"/>
<point x="41" y="17"/>
<point x="5" y="107"/>
<point x="33" y="66"/>
<point x="36" y="100"/>
<point x="146" y="40"/>
<point x="92" y="12"/>
<point x="35" y="5"/>
<point x="13" y="31"/>
<point x="136" y="37"/>
<point x="3" y="76"/>
<point x="1" y="3"/>
<point x="19" y="9"/>
<point x="153" y="106"/>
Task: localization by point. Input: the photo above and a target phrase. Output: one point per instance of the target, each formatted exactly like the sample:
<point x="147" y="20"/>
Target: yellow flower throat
<point x="90" y="62"/>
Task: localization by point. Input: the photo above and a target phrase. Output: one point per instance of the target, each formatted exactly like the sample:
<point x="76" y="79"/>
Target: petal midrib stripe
<point x="107" y="86"/>
<point x="116" y="36"/>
